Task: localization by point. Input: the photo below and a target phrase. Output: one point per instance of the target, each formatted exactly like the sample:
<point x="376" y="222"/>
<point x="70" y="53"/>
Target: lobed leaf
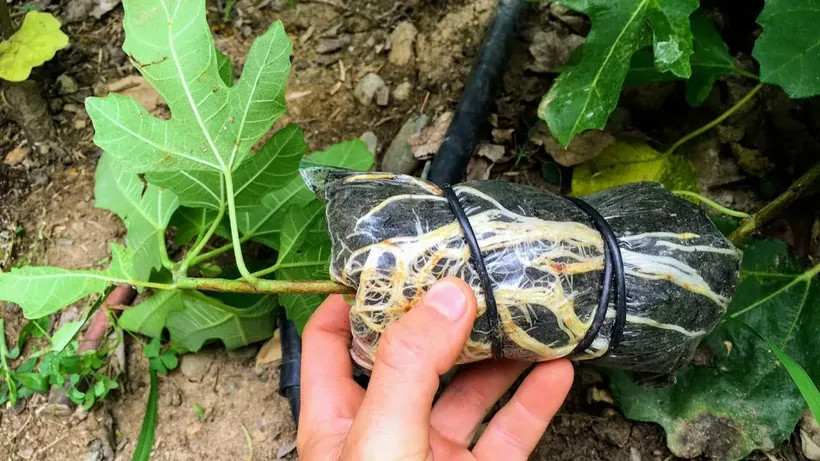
<point x="145" y="211"/>
<point x="788" y="50"/>
<point x="629" y="161"/>
<point x="584" y="95"/>
<point x="192" y="319"/>
<point x="41" y="291"/>
<point x="37" y="41"/>
<point x="745" y="399"/>
<point x="710" y="60"/>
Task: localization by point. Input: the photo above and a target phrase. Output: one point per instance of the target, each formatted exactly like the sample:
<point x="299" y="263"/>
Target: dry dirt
<point x="47" y="216"/>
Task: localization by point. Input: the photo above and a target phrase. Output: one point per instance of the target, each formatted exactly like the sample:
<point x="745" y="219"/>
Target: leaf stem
<point x="770" y="211"/>
<point x="717" y="121"/>
<point x="163" y="252"/>
<point x="715" y="205"/>
<point x="214" y="253"/>
<point x="260" y="286"/>
<point x="237" y="245"/>
<point x="191" y="256"/>
<point x="745" y="73"/>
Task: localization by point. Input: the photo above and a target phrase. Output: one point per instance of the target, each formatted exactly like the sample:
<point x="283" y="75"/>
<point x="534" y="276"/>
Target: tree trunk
<point x="29" y="109"/>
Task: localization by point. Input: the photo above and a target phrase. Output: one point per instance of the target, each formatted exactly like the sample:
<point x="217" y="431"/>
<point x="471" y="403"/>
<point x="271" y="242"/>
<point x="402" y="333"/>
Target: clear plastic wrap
<point x="393" y="236"/>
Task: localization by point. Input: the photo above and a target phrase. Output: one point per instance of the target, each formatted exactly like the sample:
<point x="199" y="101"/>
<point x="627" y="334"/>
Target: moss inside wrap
<point x="393" y="236"/>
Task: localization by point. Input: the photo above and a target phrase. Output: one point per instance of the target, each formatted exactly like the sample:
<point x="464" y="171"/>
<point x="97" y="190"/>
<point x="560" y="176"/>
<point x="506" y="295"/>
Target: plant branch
<point x="717" y="121"/>
<point x="261" y="286"/>
<point x="745" y="73"/>
<point x="5" y="20"/>
<point x="770" y="211"/>
<point x="163" y="252"/>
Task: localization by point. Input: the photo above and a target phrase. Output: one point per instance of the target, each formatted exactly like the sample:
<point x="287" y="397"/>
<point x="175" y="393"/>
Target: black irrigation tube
<point x="450" y="165"/>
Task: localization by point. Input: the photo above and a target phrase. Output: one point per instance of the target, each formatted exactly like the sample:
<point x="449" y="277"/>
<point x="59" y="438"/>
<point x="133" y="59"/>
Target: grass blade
<point x="145" y="443"/>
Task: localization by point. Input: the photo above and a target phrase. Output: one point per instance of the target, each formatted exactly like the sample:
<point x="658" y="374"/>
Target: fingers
<point x="470" y="396"/>
<point x="516" y="429"/>
<point x="329" y="396"/>
<point x="412" y="353"/>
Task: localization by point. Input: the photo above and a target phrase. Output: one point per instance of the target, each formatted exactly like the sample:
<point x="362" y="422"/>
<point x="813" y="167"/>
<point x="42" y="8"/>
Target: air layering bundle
<point x="395" y="235"/>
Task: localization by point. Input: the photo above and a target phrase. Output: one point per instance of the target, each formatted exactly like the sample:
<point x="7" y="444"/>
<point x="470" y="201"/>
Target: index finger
<point x="328" y="390"/>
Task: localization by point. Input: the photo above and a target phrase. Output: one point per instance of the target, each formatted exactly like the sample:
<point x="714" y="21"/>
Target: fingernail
<point x="447" y="298"/>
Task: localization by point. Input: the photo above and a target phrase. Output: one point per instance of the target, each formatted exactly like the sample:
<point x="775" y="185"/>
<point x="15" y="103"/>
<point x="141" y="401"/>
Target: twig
<point x="262" y="286"/>
<point x="51" y="445"/>
<point x="5" y="20"/>
<point x="770" y="211"/>
<point x="716" y="121"/>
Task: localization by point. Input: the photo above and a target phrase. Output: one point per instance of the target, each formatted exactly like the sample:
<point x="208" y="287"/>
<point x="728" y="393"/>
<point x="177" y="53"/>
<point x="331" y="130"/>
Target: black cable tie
<point x="492" y="310"/>
<point x="612" y="257"/>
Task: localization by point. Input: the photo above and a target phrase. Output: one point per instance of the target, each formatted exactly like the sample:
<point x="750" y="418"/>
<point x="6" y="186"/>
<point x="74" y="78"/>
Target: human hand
<point x="395" y="418"/>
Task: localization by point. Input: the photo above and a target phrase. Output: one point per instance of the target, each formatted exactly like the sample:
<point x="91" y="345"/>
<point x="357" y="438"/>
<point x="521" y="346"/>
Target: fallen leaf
<point x="491" y="152"/>
<point x="270" y="352"/>
<point x="585" y="146"/>
<point x="17" y="155"/>
<point x="139" y="89"/>
<point x="479" y="169"/>
<point x="426" y="143"/>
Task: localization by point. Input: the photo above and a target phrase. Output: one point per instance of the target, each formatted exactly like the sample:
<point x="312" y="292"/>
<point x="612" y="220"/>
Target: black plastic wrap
<point x="394" y="235"/>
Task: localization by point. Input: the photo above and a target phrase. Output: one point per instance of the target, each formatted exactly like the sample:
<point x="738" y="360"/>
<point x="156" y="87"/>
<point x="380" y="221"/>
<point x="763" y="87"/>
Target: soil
<point x="47" y="216"/>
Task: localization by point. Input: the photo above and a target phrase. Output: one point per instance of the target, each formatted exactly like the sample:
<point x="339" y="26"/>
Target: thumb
<point x="413" y="353"/>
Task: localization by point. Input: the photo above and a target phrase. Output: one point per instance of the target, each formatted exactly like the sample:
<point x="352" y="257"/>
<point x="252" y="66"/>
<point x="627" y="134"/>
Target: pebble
<point x="402" y="92"/>
<point x="332" y="45"/>
<point x="67" y="85"/>
<point x="369" y="87"/>
<point x="401" y="44"/>
<point x="371" y="141"/>
<point x="38" y="178"/>
<point x="399" y="156"/>
<point x="194" y="366"/>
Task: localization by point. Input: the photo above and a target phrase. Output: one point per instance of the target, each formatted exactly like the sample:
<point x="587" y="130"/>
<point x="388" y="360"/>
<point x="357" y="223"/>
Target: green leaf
<point x="352" y="154"/>
<point x="628" y="161"/>
<point x="152" y="349"/>
<point x="788" y="50"/>
<point x="65" y="334"/>
<point x="225" y="68"/>
<point x="584" y="95"/>
<point x="297" y="222"/>
<point x="312" y="263"/>
<point x="41" y="291"/>
<point x="37" y="41"/>
<point x="169" y="360"/>
<point x="269" y="169"/>
<point x="745" y="399"/>
<point x="34" y="381"/>
<point x="710" y="61"/>
<point x="192" y="319"/>
<point x="145" y="441"/>
<point x="191" y="222"/>
<point x="145" y="211"/>
<point x="32" y="329"/>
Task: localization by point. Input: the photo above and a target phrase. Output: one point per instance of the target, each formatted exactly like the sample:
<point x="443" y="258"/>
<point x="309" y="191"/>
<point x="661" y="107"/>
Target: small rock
<point x="243" y="353"/>
<point x="77" y="10"/>
<point x="370" y="86"/>
<point x="399" y="157"/>
<point x="270" y="352"/>
<point x="17" y="155"/>
<point x="550" y="50"/>
<point x="170" y="397"/>
<point x="810" y="436"/>
<point x="72" y="108"/>
<point x="328" y="60"/>
<point x="194" y="366"/>
<point x="80" y="124"/>
<point x="103" y="7"/>
<point x="634" y="454"/>
<point x="402" y="40"/>
<point x="26" y="452"/>
<point x="614" y="429"/>
<point x="332" y="45"/>
<point x="67" y="85"/>
<point x="383" y="97"/>
<point x="402" y="92"/>
<point x="285" y="449"/>
<point x="575" y="21"/>
<point x="38" y="178"/>
<point x="371" y="140"/>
